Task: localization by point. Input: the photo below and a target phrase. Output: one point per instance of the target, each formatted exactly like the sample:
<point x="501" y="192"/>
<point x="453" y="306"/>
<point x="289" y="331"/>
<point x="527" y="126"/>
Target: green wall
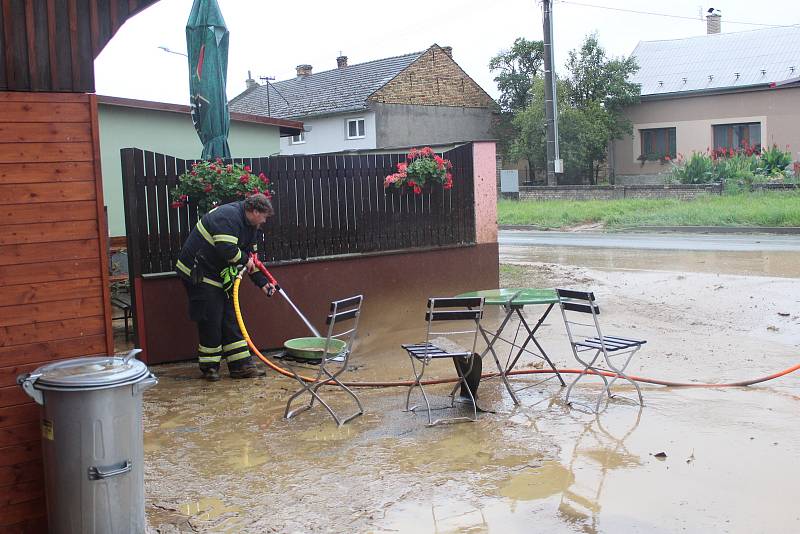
<point x="169" y="133"/>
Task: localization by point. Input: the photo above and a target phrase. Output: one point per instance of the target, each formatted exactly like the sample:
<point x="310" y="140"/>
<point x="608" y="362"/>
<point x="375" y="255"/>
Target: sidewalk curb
<point x="778" y="230"/>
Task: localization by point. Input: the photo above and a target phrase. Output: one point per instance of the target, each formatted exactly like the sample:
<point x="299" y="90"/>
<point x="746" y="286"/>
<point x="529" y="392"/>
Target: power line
<point x="668" y="15"/>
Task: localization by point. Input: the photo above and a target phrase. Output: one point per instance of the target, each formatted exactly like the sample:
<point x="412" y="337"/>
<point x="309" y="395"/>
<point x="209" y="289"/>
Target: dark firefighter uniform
<point x="222" y="238"/>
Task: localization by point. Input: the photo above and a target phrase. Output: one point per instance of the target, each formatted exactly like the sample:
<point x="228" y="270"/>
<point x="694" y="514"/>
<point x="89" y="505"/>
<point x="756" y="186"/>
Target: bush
<point x="698" y="169"/>
<point x="740" y="168"/>
<point x="775" y="162"/>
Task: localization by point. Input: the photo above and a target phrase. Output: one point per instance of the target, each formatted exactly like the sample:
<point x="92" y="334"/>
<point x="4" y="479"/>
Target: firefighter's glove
<point x="269" y="290"/>
<point x="228" y="275"/>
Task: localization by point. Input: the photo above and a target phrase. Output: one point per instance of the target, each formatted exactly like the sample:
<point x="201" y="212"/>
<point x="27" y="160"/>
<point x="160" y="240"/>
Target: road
<point x="659" y="241"/>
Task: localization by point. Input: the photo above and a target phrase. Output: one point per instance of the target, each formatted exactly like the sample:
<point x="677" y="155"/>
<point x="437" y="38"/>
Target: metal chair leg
<point x="620" y="373"/>
<point x="586" y="368"/>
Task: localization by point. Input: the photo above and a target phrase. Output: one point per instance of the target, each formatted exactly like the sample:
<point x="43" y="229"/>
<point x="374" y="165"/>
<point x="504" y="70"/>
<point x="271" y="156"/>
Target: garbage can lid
<point x="90" y="372"/>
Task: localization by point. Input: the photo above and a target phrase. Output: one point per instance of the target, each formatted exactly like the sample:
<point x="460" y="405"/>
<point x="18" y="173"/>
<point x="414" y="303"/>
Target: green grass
<point x="746" y="209"/>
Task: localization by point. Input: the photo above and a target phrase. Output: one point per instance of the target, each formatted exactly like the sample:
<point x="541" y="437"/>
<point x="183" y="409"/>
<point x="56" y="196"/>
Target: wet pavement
<point x="220" y="457"/>
<point x="652" y="241"/>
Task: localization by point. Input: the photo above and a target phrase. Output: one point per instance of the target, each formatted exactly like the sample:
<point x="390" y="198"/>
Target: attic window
<point x="355" y="129"/>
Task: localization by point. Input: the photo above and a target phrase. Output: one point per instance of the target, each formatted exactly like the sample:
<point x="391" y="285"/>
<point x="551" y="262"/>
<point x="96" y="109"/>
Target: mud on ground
<point x="220" y="457"/>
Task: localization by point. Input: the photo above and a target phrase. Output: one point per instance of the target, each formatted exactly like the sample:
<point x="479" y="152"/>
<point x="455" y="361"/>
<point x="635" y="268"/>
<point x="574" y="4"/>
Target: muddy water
<point x="220" y="458"/>
<point x="772" y="263"/>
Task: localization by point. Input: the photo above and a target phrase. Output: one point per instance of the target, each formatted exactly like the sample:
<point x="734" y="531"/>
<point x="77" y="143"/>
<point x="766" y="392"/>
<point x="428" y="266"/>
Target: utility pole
<point x="554" y="164"/>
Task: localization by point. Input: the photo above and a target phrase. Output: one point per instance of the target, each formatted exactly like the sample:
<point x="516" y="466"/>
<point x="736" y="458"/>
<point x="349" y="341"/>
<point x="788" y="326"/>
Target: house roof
<point x="712" y="62"/>
<point x="286" y="127"/>
<point x="322" y="93"/>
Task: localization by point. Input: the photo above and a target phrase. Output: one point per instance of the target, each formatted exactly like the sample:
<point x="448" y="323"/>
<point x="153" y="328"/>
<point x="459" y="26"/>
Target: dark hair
<point x="259" y="202"/>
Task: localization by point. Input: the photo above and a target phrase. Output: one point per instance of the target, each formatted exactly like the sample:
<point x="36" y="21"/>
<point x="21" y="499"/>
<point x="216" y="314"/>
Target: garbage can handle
<point x="130" y="355"/>
<point x="145" y="383"/>
<point x="26" y="381"/>
<point x="98" y="473"/>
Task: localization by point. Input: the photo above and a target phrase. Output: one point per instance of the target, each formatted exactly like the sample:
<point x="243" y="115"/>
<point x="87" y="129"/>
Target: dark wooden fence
<point x="325" y="205"/>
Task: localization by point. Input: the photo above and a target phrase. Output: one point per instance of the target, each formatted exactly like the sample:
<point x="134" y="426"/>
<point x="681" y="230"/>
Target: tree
<point x="530" y="142"/>
<point x="584" y="139"/>
<point x="591" y="100"/>
<point x="597" y="90"/>
<point x="517" y="67"/>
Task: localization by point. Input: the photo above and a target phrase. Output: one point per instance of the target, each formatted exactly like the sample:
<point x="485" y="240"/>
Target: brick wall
<point x="609" y="192"/>
<point x="433" y="80"/>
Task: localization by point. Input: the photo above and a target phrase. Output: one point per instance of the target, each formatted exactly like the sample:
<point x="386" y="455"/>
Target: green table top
<point x="524" y="296"/>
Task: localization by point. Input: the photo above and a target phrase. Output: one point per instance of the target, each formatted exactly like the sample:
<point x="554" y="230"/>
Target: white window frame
<point x="347" y="128"/>
<point x="300" y="141"/>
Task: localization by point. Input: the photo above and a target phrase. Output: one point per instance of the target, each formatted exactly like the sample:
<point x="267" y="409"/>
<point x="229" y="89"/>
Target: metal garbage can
<point x="92" y="440"/>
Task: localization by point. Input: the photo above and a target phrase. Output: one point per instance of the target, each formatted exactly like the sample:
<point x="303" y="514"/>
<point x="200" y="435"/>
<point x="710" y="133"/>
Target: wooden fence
<point x="325" y="205"/>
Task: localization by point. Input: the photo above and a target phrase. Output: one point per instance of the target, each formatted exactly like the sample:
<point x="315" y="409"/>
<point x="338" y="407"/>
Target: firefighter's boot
<point x="211" y="374"/>
<point x="246" y="370"/>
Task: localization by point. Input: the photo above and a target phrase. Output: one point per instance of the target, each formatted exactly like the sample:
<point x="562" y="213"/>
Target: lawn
<point x="745" y="209"/>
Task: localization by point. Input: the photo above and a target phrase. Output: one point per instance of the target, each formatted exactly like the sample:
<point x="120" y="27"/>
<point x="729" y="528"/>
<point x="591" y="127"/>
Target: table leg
<point x="532" y="337"/>
<point x="490" y="348"/>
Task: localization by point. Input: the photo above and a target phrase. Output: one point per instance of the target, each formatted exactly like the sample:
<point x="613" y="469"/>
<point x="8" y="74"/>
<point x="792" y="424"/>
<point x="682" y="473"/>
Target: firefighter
<point x="217" y="247"/>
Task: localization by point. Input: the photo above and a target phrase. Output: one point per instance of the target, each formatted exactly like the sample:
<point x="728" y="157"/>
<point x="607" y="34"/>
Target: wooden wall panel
<point x="50" y="45"/>
<point x="46" y="271"/>
<point x="33" y="253"/>
<point x="53" y="192"/>
<point x="31" y="173"/>
<point x="54" y="301"/>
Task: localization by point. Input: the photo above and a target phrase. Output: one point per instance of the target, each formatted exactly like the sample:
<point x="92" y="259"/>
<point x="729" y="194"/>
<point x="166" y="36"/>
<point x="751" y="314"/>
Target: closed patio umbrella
<point x="207" y="45"/>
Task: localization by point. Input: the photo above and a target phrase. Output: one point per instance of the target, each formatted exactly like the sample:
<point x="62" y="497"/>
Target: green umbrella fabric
<point x="207" y="45"/>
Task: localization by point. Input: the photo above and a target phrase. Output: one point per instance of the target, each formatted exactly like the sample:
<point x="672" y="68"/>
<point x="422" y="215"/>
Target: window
<point x="657" y="143"/>
<point x="355" y="128"/>
<point x="737" y="135"/>
<point x="298" y="139"/>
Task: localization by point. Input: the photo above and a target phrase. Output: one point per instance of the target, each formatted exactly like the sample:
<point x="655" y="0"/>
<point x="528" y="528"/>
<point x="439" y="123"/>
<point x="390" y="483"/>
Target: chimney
<point x="341" y="62"/>
<point x="303" y="70"/>
<point x="448" y="50"/>
<point x="250" y="82"/>
<point x="713" y="21"/>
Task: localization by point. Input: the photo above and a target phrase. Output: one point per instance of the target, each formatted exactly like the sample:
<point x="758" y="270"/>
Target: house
<point x="423" y="98"/>
<point x="168" y="129"/>
<point x="713" y="91"/>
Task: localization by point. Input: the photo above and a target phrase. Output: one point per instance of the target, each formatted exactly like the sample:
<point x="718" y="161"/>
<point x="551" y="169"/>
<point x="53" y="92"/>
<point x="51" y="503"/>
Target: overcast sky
<point x="270" y="38"/>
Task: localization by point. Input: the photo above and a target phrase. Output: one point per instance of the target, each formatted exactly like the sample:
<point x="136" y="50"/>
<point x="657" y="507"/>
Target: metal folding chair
<point x="588" y="343"/>
<point x="332" y="363"/>
<point x="455" y="312"/>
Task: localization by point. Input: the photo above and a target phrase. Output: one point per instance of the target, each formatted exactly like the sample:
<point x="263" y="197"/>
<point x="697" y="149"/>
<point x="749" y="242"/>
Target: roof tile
<point x="322" y="93"/>
<point x="712" y="61"/>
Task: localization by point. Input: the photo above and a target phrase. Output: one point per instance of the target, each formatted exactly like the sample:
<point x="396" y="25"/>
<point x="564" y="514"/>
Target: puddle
<point x="782" y="264"/>
<point x="206" y="509"/>
<point x="537" y="482"/>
